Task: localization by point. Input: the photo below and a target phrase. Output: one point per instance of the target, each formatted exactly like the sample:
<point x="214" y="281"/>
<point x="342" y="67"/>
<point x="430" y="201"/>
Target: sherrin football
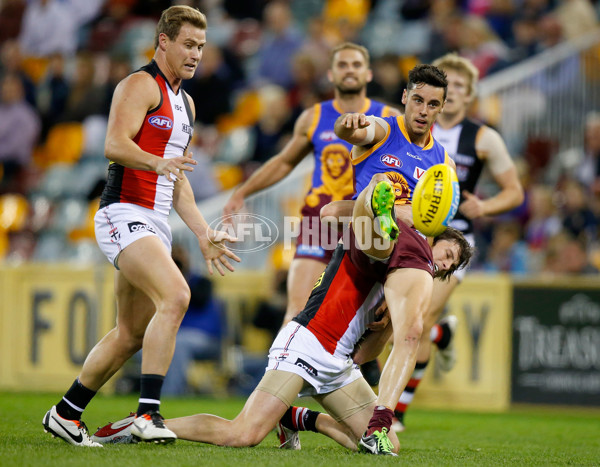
<point x="435" y="200"/>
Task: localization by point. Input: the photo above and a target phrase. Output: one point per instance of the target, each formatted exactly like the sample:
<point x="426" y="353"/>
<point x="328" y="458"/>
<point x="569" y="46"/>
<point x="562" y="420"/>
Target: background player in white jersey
<point x="313" y="132"/>
<point x="473" y="147"/>
<point x="149" y="129"/>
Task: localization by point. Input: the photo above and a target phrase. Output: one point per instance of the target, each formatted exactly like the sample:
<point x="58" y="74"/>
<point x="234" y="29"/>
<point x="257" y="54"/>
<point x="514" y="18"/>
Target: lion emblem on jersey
<point x="401" y="187"/>
<point x="336" y="175"/>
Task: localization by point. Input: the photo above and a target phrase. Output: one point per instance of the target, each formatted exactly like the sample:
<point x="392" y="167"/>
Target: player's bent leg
<point x="260" y="414"/>
<point x="350" y="409"/>
<point x="373" y="219"/>
<point x="134" y="312"/>
<point x="302" y="276"/>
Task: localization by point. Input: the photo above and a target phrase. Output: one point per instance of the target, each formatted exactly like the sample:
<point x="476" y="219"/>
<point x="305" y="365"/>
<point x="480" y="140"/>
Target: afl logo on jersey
<point x="391" y="161"/>
<point x="161" y="122"/>
<point x="327" y="135"/>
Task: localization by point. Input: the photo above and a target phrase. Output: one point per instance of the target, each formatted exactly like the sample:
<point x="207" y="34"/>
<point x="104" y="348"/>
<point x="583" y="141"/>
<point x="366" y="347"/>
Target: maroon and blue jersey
<point x="402" y="161"/>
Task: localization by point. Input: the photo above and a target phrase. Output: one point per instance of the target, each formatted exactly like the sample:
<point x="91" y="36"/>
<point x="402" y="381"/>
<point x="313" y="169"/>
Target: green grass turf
<point x="523" y="436"/>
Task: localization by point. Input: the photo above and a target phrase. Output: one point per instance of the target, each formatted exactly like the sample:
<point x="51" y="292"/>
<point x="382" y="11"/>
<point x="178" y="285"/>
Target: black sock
<point x="300" y="419"/>
<point x="150" y="387"/>
<point x="75" y="401"/>
<point x="443" y="342"/>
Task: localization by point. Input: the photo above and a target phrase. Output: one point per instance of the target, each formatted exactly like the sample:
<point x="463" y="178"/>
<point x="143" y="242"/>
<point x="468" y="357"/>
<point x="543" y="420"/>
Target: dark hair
<point x="465" y="252"/>
<point x="174" y="17"/>
<point x="427" y="74"/>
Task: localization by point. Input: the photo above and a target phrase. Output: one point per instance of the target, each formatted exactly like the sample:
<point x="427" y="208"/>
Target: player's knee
<point x="249" y="438"/>
<point x="177" y="302"/>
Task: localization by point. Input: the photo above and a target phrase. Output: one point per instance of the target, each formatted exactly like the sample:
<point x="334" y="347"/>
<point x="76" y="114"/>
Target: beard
<point x="349" y="90"/>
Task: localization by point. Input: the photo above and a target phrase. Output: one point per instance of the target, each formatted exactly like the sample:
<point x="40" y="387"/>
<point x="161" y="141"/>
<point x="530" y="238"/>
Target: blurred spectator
<point x="11" y="14"/>
<point x="306" y="90"/>
<point x="316" y="46"/>
<point x="578" y="218"/>
<point x="276" y="121"/>
<point x="279" y="44"/>
<point x="11" y="62"/>
<point x="53" y="93"/>
<point x="200" y="333"/>
<point x="544" y="221"/>
<point x="204" y="148"/>
<point x="446" y="23"/>
<point x="19" y="130"/>
<point x="480" y="44"/>
<point x="85" y="96"/>
<point x="107" y="28"/>
<point x="52" y="26"/>
<point x="577" y="17"/>
<point x="587" y="170"/>
<point x="388" y="83"/>
<point x="507" y="252"/>
<point x="567" y="255"/>
<point x="211" y="87"/>
<point x="118" y="70"/>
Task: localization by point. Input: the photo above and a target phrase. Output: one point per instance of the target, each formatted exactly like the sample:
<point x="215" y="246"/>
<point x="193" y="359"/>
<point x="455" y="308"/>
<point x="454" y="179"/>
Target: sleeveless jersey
<point x="166" y="132"/>
<point x="402" y="161"/>
<point x="332" y="178"/>
<point x="344" y="299"/>
<point x="459" y="141"/>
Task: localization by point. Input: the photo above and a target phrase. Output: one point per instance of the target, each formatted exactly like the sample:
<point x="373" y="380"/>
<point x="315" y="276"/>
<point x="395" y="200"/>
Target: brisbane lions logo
<point x="336" y="175"/>
<point x="401" y="188"/>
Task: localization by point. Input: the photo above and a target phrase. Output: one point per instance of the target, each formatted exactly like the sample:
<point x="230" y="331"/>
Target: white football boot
<point x="72" y="431"/>
<point x="150" y="427"/>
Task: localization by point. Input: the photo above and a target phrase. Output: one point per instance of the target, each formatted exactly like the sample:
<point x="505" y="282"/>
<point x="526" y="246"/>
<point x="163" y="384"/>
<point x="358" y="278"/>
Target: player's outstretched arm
<point x="359" y="129"/>
<point x="491" y="148"/>
<point x="276" y="168"/>
<point x="212" y="243"/>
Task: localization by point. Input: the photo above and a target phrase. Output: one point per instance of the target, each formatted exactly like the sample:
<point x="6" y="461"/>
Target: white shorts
<point x="460" y="274"/>
<point x="118" y="225"/>
<point x="297" y="350"/>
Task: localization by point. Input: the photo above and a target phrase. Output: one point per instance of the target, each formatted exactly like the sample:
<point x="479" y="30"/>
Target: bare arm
<point x="278" y="167"/>
<point x="212" y="243"/>
<point x="491" y="148"/>
<point x="133" y="98"/>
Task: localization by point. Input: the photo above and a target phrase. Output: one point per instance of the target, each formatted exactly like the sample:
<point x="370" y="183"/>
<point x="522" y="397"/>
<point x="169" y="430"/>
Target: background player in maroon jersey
<point x="349" y="73"/>
<point x="149" y="130"/>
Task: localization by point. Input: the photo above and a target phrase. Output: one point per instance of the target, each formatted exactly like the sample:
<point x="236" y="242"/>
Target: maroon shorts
<point x="316" y="240"/>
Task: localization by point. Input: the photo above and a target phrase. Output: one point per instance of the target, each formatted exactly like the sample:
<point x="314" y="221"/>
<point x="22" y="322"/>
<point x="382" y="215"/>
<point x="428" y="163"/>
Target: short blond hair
<point x="461" y="65"/>
<point x="349" y="46"/>
<point x="174" y="17"/>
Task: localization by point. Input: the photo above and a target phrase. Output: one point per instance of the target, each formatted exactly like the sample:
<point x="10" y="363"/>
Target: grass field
<point x="523" y="436"/>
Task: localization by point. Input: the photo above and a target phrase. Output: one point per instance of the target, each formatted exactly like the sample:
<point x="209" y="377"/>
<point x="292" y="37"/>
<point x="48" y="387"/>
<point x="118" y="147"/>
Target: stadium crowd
<point x="265" y="61"/>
